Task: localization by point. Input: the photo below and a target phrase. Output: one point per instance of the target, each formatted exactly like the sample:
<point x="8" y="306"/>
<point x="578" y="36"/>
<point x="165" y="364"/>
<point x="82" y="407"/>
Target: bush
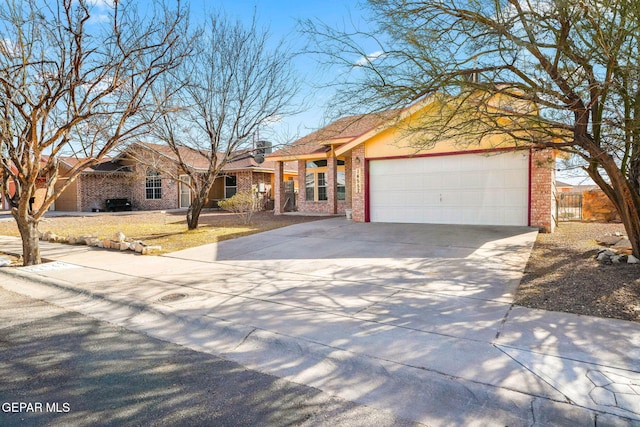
<point x="243" y="204"/>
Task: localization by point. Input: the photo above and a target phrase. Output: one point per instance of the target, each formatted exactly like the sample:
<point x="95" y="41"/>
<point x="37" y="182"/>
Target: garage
<point x="482" y="189"/>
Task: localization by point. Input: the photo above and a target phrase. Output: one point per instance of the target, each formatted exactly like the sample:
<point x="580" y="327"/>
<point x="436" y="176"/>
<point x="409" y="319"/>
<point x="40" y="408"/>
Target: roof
<point x="341" y="131"/>
<point x="199" y="160"/>
<point x="563" y="184"/>
<point x="106" y="165"/>
<point x="193" y="158"/>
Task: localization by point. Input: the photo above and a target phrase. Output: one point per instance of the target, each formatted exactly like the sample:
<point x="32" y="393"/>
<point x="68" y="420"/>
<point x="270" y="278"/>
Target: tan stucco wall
<point x="415" y="134"/>
<point x="68" y="199"/>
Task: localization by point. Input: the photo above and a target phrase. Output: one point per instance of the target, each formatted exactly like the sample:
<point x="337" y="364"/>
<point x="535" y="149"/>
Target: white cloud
<point x="369" y="58"/>
<point x="97" y="18"/>
<point x="102" y="4"/>
<point x="8" y="48"/>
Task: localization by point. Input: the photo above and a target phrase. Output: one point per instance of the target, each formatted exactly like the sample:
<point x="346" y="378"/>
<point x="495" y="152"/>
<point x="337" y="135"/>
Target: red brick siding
<point x="542" y="179"/>
<point x="357" y="186"/>
<point x="278" y="190"/>
<point x="303" y="204"/>
<point x="95" y="189"/>
<point x="170" y="193"/>
<point x="330" y="206"/>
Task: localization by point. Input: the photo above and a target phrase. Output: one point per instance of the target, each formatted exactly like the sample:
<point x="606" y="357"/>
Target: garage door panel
<point x="460" y="189"/>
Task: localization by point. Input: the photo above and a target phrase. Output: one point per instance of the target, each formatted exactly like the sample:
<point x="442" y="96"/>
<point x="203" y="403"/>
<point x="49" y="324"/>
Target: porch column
<point x="358" y="199"/>
<point x="278" y="189"/>
<point x="332" y="185"/>
<point x="542" y="197"/>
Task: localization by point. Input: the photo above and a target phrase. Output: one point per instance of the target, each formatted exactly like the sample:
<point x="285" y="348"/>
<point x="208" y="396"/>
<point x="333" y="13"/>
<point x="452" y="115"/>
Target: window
<point x="322" y="186"/>
<point x="317" y="164"/>
<point x="310" y="187"/>
<point x="341" y="184"/>
<point x="316" y="185"/>
<point x="153" y="185"/>
<point x="230" y="186"/>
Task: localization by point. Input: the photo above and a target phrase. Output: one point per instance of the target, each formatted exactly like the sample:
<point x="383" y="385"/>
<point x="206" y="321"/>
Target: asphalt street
<point x="59" y="367"/>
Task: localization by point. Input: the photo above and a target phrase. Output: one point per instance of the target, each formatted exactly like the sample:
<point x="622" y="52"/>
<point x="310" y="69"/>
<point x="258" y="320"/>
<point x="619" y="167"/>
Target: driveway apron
<point x="415" y="319"/>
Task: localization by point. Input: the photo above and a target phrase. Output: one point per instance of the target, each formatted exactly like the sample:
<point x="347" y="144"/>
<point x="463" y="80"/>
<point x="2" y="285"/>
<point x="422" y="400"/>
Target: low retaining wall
<point x="596" y="206"/>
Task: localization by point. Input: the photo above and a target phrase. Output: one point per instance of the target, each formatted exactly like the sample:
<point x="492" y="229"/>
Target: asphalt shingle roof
<point x="341" y="131"/>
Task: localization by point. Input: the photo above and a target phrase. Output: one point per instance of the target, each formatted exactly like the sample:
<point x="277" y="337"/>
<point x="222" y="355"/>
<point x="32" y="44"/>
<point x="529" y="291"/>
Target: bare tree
<point x="570" y="68"/>
<point x="233" y="84"/>
<point x="75" y="79"/>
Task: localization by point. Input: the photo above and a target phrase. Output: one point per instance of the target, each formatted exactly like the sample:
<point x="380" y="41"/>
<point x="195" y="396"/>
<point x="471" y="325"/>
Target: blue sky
<point x="282" y="17"/>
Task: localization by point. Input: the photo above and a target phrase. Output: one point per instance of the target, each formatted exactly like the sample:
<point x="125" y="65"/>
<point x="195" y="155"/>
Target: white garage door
<point x="457" y="189"/>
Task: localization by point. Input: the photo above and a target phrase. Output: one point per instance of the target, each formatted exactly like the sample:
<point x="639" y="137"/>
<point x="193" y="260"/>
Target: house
<point x="10" y="191"/>
<point x="95" y="184"/>
<point x="366" y="165"/>
<point x="563" y="187"/>
<point x="150" y="177"/>
<point x="38" y="196"/>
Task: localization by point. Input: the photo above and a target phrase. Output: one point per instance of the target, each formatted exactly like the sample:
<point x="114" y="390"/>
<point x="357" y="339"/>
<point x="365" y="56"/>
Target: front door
<point x="185" y="191"/>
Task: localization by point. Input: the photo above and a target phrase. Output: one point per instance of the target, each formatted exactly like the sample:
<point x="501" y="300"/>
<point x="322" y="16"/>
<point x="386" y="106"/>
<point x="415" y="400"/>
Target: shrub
<point x="243" y="204"/>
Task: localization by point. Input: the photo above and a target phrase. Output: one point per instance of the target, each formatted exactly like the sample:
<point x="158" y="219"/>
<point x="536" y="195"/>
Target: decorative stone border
<point x="118" y="242"/>
<point x="617" y="250"/>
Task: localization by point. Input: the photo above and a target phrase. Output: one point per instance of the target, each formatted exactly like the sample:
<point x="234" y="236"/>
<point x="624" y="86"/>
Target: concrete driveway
<point x="414" y="319"/>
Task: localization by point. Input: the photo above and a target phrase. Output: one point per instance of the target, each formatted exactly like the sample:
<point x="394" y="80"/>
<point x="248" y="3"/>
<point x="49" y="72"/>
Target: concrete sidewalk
<point x="409" y="318"/>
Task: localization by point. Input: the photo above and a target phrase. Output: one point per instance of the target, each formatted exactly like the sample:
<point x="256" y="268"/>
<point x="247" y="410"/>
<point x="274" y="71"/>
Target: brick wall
<point x="94" y="189"/>
<point x="331" y="205"/>
<point x="278" y="188"/>
<point x="170" y="193"/>
<point x="303" y="204"/>
<point x="357" y="177"/>
<point x="542" y="178"/>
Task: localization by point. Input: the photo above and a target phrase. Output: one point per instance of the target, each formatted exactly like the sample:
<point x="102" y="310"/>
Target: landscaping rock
<point x="632" y="260"/>
<point x="608" y="240"/>
<point x="147" y="250"/>
<point x="623" y="247"/>
<point x="93" y="241"/>
<point x="5" y="262"/>
<point x="119" y="237"/>
<point x="605" y="255"/>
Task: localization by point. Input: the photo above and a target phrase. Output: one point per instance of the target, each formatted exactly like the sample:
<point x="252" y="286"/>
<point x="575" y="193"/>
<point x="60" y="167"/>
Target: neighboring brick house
<point x="10" y="191"/>
<point x="88" y="192"/>
<point x="148" y="175"/>
<point x="359" y="164"/>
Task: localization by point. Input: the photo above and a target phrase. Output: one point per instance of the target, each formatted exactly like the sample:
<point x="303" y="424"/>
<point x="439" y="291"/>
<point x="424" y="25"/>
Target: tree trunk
<point x="623" y="196"/>
<point x="28" y="228"/>
<point x="193" y="213"/>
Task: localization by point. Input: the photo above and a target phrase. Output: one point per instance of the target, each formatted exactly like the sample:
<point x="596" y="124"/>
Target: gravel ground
<point x="563" y="275"/>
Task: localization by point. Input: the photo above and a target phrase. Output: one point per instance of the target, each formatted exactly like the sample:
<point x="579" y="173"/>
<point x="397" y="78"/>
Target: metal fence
<point x="569" y="206"/>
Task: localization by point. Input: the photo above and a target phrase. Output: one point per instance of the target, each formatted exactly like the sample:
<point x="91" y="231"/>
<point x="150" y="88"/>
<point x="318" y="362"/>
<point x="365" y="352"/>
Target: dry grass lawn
<point x="168" y="230"/>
